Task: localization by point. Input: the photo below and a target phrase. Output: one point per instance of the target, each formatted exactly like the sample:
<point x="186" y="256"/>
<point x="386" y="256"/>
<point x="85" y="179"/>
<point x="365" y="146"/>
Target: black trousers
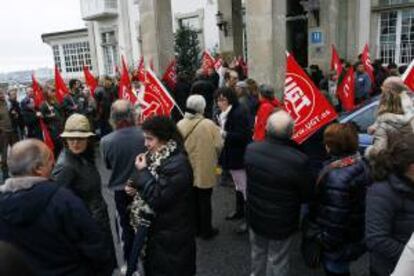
<point x="203" y="212"/>
<point x="124" y="228"/>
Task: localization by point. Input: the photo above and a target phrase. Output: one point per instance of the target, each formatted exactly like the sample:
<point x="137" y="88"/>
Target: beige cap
<point x="77" y="126"/>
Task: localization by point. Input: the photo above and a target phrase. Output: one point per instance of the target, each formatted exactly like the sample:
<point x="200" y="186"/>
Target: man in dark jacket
<point x="119" y="150"/>
<point x="31" y="115"/>
<point x="105" y="95"/>
<point x="71" y="102"/>
<point x="278" y="181"/>
<point x="49" y="224"/>
<point x="204" y="87"/>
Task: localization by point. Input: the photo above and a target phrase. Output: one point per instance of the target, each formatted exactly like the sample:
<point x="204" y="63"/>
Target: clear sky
<point x="22" y="22"/>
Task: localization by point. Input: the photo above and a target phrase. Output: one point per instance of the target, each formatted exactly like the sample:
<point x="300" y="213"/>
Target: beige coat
<point x="203" y="146"/>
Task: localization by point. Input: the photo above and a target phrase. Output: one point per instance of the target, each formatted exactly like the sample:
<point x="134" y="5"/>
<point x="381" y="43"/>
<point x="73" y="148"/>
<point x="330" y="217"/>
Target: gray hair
<point x="280" y="125"/>
<point x="196" y="103"/>
<point x="267" y="91"/>
<point x="26" y="156"/>
<point x="122" y="110"/>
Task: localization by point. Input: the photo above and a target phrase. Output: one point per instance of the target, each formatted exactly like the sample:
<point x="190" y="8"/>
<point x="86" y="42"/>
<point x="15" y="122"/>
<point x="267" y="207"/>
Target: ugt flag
<point x="155" y="100"/>
<point x="61" y="89"/>
<point x="90" y="80"/>
<point x="207" y="61"/>
<point x="170" y="75"/>
<point x="366" y="60"/>
<point x="408" y="76"/>
<point x="46" y="135"/>
<point x="125" y="89"/>
<point x="336" y="63"/>
<point x="304" y="102"/>
<point x="346" y="90"/>
<point x="38" y="93"/>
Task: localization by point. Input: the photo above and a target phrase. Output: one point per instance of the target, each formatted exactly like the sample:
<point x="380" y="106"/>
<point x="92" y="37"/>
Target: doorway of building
<point x="297" y="31"/>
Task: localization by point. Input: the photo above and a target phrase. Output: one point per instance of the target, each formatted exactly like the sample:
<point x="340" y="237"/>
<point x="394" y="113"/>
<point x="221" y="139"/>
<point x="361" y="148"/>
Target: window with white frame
<point x="56" y="57"/>
<point x="393" y="2"/>
<point x="396" y="36"/>
<point x="76" y="56"/>
<point x="110" y="52"/>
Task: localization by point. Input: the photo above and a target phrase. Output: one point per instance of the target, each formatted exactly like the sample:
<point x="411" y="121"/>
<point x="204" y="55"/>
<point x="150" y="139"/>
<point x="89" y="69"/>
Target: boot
<point x="239" y="213"/>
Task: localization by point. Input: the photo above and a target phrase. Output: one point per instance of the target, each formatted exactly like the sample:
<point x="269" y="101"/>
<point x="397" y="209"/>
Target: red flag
<point x="170" y="75"/>
<point x="156" y="99"/>
<point x="61" y="89"/>
<point x="38" y="93"/>
<point x="408" y="76"/>
<point x="336" y="62"/>
<point x="243" y="65"/>
<point x="90" y="80"/>
<point x="366" y="60"/>
<point x="207" y="61"/>
<point x="304" y="102"/>
<point x="346" y="90"/>
<point x="218" y="64"/>
<point x="46" y="135"/>
<point x="125" y="88"/>
<point x="141" y="70"/>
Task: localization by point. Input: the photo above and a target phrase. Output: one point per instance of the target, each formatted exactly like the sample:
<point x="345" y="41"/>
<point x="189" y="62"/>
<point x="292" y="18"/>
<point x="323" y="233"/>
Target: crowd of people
<point x="55" y="221"/>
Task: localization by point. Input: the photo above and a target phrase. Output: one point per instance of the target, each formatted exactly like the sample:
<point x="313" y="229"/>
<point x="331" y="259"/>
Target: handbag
<point x="310" y="247"/>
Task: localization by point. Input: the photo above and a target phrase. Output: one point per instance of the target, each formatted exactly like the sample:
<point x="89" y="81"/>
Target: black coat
<point x="53" y="229"/>
<point x="206" y="89"/>
<point x="278" y="181"/>
<point x="81" y="177"/>
<point x="339" y="210"/>
<point x="238" y="136"/>
<point x="389" y="222"/>
<point x="171" y="240"/>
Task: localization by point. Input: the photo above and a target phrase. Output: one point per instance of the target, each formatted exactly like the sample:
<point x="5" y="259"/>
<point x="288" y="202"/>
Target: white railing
<point x="97" y="9"/>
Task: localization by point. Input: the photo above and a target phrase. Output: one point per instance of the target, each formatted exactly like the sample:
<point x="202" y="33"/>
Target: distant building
<point x="71" y="51"/>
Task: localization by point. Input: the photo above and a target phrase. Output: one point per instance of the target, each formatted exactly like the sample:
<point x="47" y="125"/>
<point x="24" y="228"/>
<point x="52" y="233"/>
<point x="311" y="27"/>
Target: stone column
<point x="232" y="44"/>
<point x="320" y="54"/>
<point x="266" y="41"/>
<point x="358" y="27"/>
<point x="157" y="35"/>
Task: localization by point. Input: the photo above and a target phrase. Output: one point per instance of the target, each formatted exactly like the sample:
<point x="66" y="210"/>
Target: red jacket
<point x="266" y="108"/>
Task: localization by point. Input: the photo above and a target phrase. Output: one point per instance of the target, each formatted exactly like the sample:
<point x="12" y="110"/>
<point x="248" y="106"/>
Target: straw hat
<point x="77" y="126"/>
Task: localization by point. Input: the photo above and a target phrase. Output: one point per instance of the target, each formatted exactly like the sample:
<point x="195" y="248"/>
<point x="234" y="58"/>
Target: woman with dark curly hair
<point x="75" y="169"/>
<point x="390" y="204"/>
<point x="164" y="184"/>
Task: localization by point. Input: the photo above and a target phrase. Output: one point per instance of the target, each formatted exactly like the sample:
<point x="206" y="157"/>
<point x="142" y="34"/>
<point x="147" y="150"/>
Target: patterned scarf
<point x="140" y="210"/>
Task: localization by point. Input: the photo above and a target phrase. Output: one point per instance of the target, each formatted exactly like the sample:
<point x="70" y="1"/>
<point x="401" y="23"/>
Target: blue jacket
<point x="362" y="85"/>
<point x="390" y="222"/>
<point x="339" y="210"/>
<point x="52" y="227"/>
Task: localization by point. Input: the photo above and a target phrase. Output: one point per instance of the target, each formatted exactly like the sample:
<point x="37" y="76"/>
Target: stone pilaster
<point x="157" y="35"/>
<point x="266" y="41"/>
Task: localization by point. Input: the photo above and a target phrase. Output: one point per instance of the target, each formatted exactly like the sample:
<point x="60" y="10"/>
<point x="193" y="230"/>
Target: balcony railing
<point x="98" y="9"/>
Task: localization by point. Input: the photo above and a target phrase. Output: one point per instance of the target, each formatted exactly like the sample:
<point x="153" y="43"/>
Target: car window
<point x="364" y="119"/>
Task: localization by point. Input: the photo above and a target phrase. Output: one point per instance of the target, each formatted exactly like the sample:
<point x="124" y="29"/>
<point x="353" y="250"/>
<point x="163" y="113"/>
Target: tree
<point x="187" y="50"/>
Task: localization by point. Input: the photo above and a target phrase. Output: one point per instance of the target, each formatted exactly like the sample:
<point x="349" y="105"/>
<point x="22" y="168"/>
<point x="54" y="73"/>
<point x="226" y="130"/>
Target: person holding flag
<point x="362" y="83"/>
<point x="30" y="114"/>
<point x="70" y="103"/>
<point x="52" y="117"/>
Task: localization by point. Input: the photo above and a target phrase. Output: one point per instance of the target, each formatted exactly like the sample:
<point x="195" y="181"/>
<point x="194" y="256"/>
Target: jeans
<point x="270" y="257"/>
